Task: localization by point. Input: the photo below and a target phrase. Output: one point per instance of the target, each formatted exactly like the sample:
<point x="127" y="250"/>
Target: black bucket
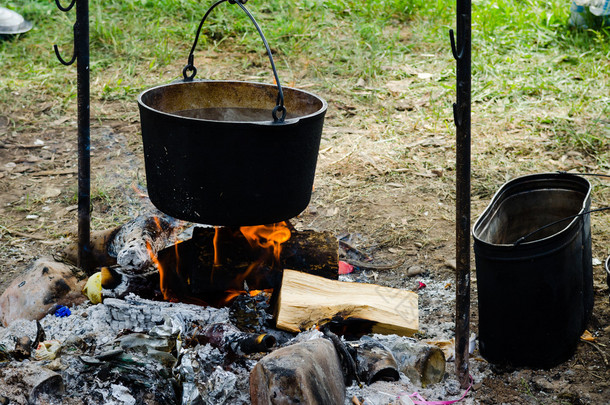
<point x="536" y="295"/>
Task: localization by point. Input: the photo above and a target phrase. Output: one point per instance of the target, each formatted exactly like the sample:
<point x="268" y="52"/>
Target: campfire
<point x="219" y="309"/>
<point x="211" y="315"/>
<point x="215" y="266"/>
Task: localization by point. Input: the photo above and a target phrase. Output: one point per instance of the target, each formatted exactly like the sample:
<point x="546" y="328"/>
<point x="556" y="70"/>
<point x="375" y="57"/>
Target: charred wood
<point x="192" y="272"/>
<point x="136" y="243"/>
<point x="227" y="338"/>
<point x="131" y="245"/>
<point x="423" y="363"/>
<point x="100" y="242"/>
<point x="375" y="361"/>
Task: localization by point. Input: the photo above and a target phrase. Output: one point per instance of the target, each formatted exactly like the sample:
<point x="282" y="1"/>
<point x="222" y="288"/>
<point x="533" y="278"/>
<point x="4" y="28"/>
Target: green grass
<point x="525" y="55"/>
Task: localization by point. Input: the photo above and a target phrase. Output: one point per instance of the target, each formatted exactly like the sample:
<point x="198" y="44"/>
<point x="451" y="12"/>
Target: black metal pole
<point x="84" y="141"/>
<point x="81" y="56"/>
<point x="461" y="111"/>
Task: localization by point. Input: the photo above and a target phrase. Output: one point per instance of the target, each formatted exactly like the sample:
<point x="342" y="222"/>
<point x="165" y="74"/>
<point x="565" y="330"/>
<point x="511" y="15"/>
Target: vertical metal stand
<point x="81" y="56"/>
<point x="461" y="115"/>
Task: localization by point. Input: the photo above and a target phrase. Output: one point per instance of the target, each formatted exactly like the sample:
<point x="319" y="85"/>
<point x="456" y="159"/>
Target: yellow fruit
<point x="93" y="288"/>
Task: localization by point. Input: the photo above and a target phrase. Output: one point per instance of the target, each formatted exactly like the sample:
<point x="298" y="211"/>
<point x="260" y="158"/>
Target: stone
<point x="303" y="373"/>
<point x="44" y="285"/>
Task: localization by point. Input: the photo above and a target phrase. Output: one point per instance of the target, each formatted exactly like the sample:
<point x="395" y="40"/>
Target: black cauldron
<point x="217" y="153"/>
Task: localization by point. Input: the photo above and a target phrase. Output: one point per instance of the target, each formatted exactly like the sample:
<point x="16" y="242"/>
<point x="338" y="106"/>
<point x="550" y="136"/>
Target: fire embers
<point x="211" y="267"/>
<point x="249" y="312"/>
<point x="217" y="265"/>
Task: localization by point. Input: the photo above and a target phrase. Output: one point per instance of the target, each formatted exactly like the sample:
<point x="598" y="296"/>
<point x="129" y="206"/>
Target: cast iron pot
<point x="229" y="172"/>
<point x="217" y="153"/>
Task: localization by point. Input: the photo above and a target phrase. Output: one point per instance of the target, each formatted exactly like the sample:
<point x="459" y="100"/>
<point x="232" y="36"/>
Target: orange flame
<point x="156" y="262"/>
<point x="215" y="242"/>
<point x="265" y="240"/>
<point x="232" y="294"/>
<point x="267" y="236"/>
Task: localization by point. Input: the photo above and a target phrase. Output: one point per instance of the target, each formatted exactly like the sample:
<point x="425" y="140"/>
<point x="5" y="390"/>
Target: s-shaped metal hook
<point x="55" y="48"/>
<point x="461" y="41"/>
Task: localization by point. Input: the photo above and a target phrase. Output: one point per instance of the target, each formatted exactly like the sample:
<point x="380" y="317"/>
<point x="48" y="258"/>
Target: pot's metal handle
<point x="190" y="70"/>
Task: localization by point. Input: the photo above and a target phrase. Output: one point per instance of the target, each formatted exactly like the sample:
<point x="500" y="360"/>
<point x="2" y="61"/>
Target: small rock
<point x="415" y="270"/>
<point x="44" y="285"/>
<point x="405" y="400"/>
<point x="23" y="348"/>
<point x="51" y="192"/>
<point x="303" y="373"/>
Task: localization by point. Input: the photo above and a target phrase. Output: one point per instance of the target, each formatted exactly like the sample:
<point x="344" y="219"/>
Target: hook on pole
<point x="62" y="60"/>
<point x="65" y="9"/>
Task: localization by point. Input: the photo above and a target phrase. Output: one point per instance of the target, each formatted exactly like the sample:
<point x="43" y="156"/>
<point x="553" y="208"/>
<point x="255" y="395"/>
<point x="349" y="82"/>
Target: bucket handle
<point x="190" y="67"/>
<point x="525" y="237"/>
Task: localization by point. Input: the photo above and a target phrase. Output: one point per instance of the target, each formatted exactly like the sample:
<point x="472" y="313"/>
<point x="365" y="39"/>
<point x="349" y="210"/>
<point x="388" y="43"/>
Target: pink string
<point x="421" y="401"/>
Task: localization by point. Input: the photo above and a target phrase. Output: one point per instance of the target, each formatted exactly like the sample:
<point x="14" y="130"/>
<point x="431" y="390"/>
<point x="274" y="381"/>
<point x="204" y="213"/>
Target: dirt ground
<point x="385" y="183"/>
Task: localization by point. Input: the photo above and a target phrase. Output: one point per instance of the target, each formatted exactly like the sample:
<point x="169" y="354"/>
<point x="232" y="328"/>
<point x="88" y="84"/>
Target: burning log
<point x="305" y="300"/>
<point x="131" y="245"/>
<point x="214" y="261"/>
<point x="140" y="239"/>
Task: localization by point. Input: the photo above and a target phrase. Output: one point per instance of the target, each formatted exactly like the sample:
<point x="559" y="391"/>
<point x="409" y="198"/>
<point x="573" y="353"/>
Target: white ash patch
<point x="136" y="314"/>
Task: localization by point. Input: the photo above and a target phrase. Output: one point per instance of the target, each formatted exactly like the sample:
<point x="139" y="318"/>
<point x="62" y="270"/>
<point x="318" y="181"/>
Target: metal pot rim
<point x="505" y="188"/>
<point x="291" y="121"/>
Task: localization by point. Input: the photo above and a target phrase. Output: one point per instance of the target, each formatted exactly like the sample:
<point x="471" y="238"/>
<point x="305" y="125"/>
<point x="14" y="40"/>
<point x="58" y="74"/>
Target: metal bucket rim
<point x="291" y="121"/>
<point x="512" y="182"/>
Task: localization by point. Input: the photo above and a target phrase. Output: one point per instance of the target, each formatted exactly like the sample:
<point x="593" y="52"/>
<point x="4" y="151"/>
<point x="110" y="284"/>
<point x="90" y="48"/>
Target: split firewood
<point x="305" y="300"/>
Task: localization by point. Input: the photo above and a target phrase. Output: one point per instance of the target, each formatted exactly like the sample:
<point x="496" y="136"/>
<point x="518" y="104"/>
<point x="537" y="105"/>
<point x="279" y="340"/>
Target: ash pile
<point x="128" y="349"/>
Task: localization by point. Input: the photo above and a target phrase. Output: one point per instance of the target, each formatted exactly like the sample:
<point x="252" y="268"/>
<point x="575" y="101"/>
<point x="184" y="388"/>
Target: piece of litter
<point x="93" y="288"/>
<point x="424" y="76"/>
<point x="596" y="261"/>
<point x="419" y="400"/>
<point x="587" y="336"/>
<point x="62" y="311"/>
<point x="47" y="350"/>
<point x="345" y="268"/>
<point x="420" y="286"/>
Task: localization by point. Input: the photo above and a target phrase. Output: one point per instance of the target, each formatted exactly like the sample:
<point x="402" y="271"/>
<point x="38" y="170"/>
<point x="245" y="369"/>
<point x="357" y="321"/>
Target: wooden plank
<point x="306" y="300"/>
